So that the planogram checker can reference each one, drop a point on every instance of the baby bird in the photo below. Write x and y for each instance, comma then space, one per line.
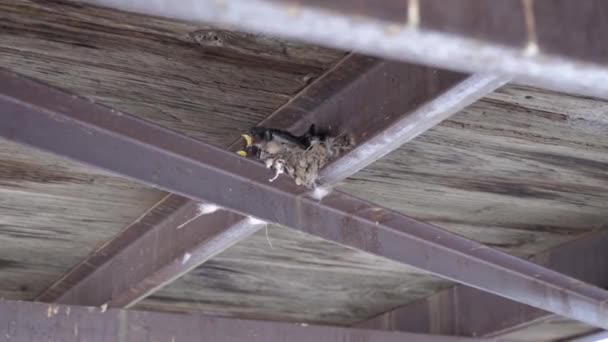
273, 140
300, 157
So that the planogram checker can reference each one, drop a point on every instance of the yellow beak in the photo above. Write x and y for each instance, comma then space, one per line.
242, 153
248, 139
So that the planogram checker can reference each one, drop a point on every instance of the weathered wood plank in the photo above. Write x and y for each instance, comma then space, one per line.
522, 179
557, 329
496, 172
584, 114
283, 274
127, 87
53, 212
210, 84
580, 133
538, 167
23, 321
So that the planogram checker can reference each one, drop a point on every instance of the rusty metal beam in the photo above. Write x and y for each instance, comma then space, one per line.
384, 104
48, 119
465, 311
556, 44
27, 321
169, 240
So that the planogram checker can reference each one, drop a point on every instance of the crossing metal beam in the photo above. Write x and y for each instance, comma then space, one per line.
382, 104
465, 311
26, 322
48, 119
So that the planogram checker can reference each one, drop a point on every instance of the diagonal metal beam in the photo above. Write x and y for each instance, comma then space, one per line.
45, 118
383, 104
554, 44
465, 311
169, 240
27, 321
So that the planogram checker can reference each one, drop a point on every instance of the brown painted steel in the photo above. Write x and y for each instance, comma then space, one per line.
555, 44
194, 237
366, 97
45, 118
465, 311
163, 244
34, 322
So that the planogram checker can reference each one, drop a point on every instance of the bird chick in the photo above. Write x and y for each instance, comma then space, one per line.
300, 157
275, 140
261, 141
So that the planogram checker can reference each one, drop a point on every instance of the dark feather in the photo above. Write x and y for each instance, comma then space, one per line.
301, 157
260, 134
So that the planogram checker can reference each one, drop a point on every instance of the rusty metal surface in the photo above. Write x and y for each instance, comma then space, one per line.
480, 36
178, 219
142, 226
382, 104
48, 119
166, 242
430, 97
34, 322
465, 311
373, 100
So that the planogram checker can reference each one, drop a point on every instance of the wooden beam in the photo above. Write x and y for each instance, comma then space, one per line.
48, 119
175, 236
26, 321
465, 311
537, 42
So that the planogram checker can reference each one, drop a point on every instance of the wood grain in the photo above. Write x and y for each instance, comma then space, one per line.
524, 170
207, 83
522, 177
53, 212
287, 275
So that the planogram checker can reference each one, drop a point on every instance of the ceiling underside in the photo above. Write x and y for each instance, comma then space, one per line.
523, 170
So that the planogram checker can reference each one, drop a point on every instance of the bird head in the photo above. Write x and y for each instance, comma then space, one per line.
254, 140
258, 135
251, 148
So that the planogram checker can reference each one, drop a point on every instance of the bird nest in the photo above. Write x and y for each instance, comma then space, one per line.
304, 165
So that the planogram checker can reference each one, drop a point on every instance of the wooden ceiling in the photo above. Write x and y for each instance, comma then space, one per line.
523, 170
